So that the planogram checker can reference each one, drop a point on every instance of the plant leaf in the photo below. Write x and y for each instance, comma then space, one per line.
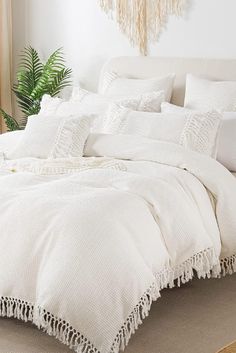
52, 69
34, 79
59, 81
11, 123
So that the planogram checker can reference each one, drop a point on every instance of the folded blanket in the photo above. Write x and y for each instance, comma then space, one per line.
88, 243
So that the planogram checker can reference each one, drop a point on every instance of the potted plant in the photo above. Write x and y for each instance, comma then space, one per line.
34, 79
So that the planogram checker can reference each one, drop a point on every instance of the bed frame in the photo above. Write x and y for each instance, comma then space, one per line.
144, 67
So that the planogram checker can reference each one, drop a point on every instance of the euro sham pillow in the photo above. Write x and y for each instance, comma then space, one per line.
113, 85
197, 131
202, 94
226, 146
52, 137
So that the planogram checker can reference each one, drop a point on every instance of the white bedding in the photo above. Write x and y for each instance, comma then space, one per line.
9, 140
88, 243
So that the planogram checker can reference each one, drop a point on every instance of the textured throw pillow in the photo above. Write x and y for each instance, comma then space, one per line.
196, 131
203, 94
226, 146
113, 85
52, 137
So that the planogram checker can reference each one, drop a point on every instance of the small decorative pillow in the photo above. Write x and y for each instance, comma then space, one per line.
226, 146
194, 131
52, 137
202, 94
113, 85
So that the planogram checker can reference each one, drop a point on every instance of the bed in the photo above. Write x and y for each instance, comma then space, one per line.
90, 243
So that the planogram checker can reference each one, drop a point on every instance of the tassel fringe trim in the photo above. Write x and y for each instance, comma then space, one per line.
228, 265
205, 264
53, 326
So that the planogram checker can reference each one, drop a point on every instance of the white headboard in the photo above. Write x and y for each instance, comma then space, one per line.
144, 67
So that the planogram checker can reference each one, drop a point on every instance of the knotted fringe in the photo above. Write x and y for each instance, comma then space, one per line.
53, 326
228, 265
205, 264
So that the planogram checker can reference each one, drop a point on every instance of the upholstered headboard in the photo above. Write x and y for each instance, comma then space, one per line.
144, 67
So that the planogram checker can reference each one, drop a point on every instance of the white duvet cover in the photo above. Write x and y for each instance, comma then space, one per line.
87, 244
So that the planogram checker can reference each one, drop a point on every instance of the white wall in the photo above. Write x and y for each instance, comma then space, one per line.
89, 38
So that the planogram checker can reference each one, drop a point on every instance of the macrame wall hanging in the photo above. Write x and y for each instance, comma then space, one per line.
142, 20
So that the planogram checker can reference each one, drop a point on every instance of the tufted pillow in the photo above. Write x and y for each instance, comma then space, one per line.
226, 146
196, 131
52, 137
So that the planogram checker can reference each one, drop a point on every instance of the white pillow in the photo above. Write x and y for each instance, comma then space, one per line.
203, 94
49, 105
85, 102
174, 109
226, 151
150, 101
226, 147
52, 137
9, 140
197, 131
113, 85
60, 107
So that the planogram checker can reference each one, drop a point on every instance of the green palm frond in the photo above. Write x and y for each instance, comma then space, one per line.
34, 79
51, 69
11, 123
60, 80
31, 62
23, 100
